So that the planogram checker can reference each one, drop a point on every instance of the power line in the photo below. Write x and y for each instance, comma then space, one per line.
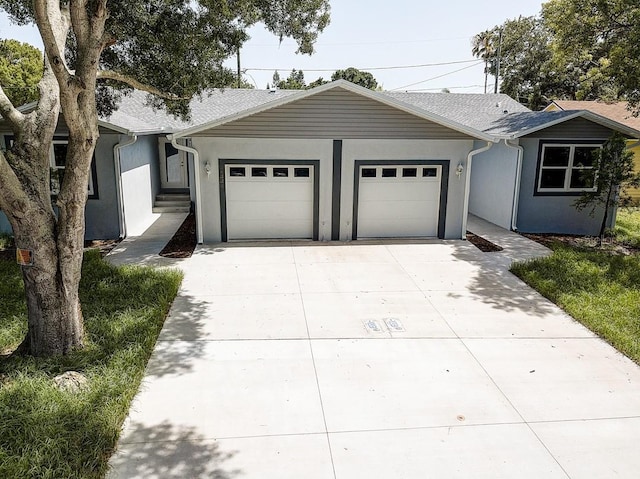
398, 67
449, 88
397, 42
436, 77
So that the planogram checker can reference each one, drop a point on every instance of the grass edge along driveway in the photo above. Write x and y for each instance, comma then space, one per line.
47, 433
599, 289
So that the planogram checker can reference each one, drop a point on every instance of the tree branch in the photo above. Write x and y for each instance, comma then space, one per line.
47, 12
9, 112
112, 75
99, 18
79, 19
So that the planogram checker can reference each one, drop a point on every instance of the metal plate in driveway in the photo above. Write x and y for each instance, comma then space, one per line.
374, 326
394, 325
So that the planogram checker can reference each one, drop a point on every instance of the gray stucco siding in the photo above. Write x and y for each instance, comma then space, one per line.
212, 150
101, 214
493, 175
336, 114
549, 213
140, 182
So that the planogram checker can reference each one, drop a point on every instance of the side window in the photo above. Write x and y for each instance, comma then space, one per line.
566, 168
58, 161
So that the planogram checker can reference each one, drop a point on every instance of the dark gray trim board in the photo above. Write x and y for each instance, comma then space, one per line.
222, 163
336, 188
444, 188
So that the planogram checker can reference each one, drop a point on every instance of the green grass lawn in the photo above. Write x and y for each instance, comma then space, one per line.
46, 433
598, 288
627, 228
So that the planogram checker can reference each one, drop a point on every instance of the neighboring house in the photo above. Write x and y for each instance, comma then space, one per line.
617, 111
341, 162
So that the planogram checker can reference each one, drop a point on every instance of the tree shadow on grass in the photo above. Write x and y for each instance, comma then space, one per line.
166, 451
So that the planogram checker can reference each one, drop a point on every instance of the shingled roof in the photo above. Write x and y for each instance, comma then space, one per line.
618, 111
486, 116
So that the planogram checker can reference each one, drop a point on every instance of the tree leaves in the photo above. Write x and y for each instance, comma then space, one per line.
20, 71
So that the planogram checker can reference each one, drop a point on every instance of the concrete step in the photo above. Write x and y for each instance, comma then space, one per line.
173, 197
172, 203
172, 209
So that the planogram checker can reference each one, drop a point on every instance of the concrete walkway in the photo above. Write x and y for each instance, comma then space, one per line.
144, 249
415, 359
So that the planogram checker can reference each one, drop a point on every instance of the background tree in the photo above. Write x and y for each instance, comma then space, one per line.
615, 172
356, 76
21, 68
295, 81
483, 46
601, 39
528, 70
172, 49
578, 50
318, 82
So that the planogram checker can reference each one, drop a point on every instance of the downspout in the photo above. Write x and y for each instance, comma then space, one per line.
516, 189
118, 167
196, 164
467, 186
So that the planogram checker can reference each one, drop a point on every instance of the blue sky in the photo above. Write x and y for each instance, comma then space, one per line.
375, 34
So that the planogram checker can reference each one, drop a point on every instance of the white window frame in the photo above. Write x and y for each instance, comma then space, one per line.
53, 166
567, 169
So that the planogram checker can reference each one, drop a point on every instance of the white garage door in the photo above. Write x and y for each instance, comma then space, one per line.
397, 201
269, 201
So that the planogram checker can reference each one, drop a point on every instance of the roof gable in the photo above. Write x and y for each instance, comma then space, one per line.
344, 85
336, 113
518, 125
616, 111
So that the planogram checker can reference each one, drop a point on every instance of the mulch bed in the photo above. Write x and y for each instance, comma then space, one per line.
104, 246
184, 240
584, 242
482, 244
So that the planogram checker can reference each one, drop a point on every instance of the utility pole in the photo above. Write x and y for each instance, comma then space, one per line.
495, 87
239, 71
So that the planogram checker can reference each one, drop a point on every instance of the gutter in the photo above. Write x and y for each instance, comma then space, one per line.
467, 187
516, 188
196, 163
118, 169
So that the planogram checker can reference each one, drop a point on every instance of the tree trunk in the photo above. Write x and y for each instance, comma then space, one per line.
55, 325
55, 237
51, 283
605, 217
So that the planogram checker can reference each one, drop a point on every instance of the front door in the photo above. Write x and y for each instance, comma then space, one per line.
174, 173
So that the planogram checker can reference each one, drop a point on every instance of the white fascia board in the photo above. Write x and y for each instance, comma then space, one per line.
346, 85
601, 120
111, 126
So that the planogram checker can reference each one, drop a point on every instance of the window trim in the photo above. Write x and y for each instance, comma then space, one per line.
566, 190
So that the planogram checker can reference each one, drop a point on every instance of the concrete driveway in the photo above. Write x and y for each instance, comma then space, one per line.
376, 360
